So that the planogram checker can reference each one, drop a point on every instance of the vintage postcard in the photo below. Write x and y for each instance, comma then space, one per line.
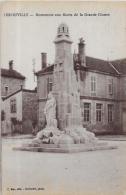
63, 98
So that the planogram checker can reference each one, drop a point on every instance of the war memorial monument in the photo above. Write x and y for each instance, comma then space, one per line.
64, 131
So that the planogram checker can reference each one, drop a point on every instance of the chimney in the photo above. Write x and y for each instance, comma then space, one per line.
43, 60
81, 51
11, 65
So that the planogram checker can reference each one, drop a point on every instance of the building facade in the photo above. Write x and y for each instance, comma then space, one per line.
102, 86
11, 80
20, 112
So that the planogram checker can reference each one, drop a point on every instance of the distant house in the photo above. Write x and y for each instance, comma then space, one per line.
11, 80
20, 112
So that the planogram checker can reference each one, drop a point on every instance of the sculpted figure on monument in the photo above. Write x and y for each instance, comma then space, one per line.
50, 132
50, 111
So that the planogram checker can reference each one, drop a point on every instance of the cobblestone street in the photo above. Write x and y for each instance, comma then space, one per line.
97, 172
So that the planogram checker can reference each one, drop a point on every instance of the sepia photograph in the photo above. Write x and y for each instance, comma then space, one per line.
63, 98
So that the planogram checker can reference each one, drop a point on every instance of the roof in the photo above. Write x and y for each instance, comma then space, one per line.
4, 98
45, 70
120, 65
11, 73
99, 65
19, 90
115, 67
29, 90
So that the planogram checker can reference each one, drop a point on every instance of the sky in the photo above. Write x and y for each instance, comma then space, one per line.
24, 38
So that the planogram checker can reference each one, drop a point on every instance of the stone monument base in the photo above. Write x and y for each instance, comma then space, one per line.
65, 148
72, 140
71, 135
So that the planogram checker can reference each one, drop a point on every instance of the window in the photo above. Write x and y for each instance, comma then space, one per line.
124, 86
13, 120
2, 115
13, 108
93, 85
21, 86
110, 87
98, 112
49, 84
6, 90
110, 113
87, 112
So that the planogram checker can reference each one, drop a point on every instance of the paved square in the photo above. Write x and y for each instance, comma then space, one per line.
97, 172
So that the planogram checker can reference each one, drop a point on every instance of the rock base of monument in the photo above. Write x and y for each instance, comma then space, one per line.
71, 135
65, 148
70, 141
